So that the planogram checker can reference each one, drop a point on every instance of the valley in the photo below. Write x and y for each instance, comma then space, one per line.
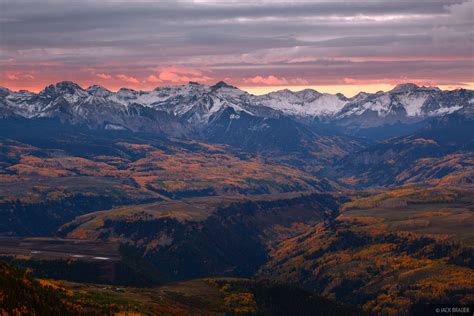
57, 248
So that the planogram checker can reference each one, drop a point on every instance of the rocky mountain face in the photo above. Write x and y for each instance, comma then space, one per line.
406, 103
444, 147
179, 109
96, 108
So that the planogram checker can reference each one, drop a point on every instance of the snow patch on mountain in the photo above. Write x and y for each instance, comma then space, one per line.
114, 127
303, 103
197, 104
445, 110
413, 103
380, 104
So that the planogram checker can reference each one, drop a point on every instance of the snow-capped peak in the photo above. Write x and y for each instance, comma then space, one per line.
197, 103
222, 84
307, 102
63, 87
411, 87
67, 90
404, 87
97, 90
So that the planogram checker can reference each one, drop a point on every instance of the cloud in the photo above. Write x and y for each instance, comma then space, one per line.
127, 78
19, 76
390, 81
12, 76
270, 80
299, 81
462, 12
181, 75
275, 81
152, 78
104, 76
257, 42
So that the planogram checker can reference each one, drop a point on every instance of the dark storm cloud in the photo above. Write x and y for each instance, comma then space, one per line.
239, 39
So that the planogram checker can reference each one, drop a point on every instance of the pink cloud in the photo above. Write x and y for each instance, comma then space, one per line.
12, 76
127, 78
170, 76
104, 76
389, 81
182, 75
270, 80
19, 76
152, 78
275, 81
182, 71
350, 80
299, 81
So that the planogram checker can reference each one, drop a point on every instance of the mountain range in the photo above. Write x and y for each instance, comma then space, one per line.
187, 109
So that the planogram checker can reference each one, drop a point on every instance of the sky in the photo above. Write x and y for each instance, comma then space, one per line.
260, 46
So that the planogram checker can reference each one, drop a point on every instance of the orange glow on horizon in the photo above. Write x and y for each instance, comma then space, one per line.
348, 90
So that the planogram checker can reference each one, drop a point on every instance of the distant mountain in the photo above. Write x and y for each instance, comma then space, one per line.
95, 107
305, 103
444, 147
179, 108
406, 103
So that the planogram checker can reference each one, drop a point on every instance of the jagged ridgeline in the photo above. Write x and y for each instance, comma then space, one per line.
183, 110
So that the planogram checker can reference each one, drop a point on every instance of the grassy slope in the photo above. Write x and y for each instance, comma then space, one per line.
387, 251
